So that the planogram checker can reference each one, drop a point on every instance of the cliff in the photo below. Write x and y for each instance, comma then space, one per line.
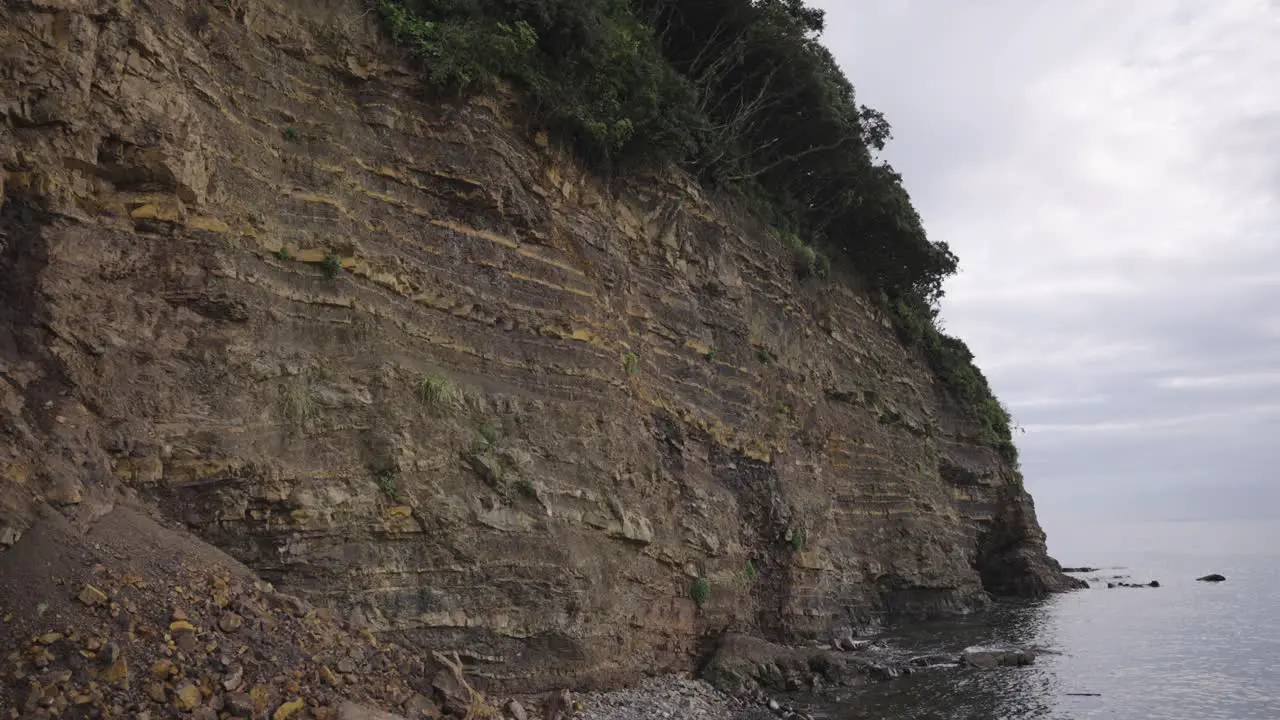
409, 363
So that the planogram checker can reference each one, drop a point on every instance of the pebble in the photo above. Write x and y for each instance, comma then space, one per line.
666, 697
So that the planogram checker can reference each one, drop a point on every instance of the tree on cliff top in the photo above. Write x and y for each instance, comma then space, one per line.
739, 92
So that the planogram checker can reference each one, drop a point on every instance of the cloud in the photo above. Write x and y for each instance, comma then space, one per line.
1107, 174
1262, 379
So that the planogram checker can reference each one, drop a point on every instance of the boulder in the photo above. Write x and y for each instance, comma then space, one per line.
997, 658
743, 665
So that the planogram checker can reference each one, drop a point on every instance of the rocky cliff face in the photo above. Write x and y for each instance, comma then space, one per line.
409, 362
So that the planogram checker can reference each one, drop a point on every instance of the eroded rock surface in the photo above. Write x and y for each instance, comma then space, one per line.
405, 359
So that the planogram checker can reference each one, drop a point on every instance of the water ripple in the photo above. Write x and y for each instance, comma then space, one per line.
1184, 651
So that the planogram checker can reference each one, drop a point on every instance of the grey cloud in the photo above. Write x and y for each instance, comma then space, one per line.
1108, 174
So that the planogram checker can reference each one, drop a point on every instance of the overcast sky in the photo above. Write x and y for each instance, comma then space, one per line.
1108, 173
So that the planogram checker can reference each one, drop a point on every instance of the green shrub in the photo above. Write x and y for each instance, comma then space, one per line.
701, 591
631, 363
290, 134
952, 363
438, 392
387, 481
331, 265
490, 431
751, 570
283, 254
798, 539
593, 71
738, 92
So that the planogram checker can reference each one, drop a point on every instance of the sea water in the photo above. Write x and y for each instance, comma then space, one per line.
1186, 650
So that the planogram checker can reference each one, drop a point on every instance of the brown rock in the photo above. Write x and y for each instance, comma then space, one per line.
289, 709
186, 642
117, 672
92, 596
186, 696
234, 679
161, 669
450, 693
230, 622
420, 706
240, 705
156, 691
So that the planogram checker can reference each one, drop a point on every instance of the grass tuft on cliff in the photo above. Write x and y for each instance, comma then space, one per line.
741, 94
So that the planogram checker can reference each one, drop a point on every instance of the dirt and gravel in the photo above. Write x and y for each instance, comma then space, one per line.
133, 619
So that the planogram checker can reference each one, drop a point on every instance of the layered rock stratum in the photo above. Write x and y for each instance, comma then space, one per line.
411, 364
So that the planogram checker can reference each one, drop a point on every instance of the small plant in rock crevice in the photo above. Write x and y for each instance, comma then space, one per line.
631, 363
490, 431
765, 355
701, 591
751, 570
798, 539
387, 481
290, 134
331, 266
283, 254
526, 489
437, 392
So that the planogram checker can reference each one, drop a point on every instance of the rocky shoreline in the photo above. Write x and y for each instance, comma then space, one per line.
751, 679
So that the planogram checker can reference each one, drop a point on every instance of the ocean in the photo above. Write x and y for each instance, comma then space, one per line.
1186, 650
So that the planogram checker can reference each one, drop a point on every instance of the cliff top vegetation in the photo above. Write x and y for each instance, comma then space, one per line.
740, 93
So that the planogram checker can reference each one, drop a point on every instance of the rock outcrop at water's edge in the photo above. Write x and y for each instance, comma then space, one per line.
407, 363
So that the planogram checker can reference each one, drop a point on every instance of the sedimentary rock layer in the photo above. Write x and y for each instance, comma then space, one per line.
403, 358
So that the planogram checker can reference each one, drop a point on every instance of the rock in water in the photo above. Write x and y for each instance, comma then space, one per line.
1215, 577
998, 658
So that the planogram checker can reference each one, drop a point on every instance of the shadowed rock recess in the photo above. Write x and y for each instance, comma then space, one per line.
408, 363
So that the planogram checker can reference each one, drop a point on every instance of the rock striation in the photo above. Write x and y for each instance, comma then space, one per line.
405, 360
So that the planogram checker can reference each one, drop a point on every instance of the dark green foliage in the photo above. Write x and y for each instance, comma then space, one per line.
490, 431
331, 265
593, 72
751, 570
739, 92
283, 254
701, 590
766, 356
798, 539
952, 362
387, 480
290, 134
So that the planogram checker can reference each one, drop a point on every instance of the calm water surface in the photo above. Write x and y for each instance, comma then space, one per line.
1184, 651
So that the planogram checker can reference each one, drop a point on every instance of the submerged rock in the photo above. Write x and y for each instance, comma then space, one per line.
934, 660
998, 658
1214, 578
